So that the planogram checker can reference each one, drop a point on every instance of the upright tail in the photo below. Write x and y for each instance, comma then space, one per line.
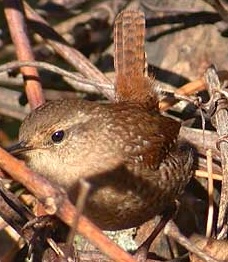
132, 83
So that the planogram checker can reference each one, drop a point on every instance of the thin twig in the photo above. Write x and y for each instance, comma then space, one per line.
14, 213
84, 188
210, 194
172, 231
216, 4
195, 137
85, 82
201, 173
71, 55
185, 90
189, 89
16, 22
168, 9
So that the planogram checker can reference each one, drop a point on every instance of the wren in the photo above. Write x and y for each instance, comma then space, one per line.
127, 151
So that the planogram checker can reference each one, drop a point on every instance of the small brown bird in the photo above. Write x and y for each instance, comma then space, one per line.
127, 151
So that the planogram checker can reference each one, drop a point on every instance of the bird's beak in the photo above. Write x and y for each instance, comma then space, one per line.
18, 149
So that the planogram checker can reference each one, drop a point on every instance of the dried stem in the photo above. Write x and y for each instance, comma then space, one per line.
201, 173
220, 120
82, 81
172, 231
216, 4
185, 90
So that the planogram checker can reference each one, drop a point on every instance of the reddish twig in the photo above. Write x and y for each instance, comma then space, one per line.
185, 90
56, 202
16, 22
189, 89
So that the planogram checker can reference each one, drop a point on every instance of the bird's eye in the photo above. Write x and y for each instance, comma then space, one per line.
58, 136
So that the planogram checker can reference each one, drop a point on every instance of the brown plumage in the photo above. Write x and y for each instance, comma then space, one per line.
127, 151
132, 83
